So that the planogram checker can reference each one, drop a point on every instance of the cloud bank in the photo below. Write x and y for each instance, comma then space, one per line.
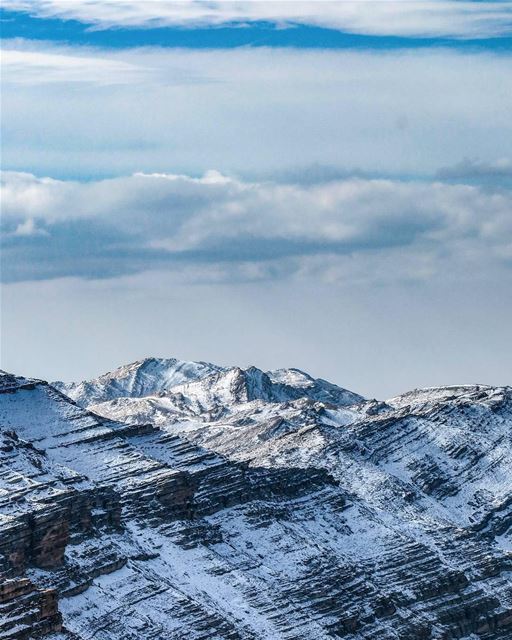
435, 18
224, 229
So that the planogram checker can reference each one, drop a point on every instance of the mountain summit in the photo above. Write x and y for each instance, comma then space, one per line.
150, 376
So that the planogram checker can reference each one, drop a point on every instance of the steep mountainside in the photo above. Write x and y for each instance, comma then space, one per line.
184, 500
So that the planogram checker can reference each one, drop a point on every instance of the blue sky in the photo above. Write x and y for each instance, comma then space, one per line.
322, 185
19, 24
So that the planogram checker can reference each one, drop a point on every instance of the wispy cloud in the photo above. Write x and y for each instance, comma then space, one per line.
81, 111
434, 18
46, 67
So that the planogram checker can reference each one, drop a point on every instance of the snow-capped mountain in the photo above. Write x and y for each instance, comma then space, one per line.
225, 386
151, 376
171, 500
224, 393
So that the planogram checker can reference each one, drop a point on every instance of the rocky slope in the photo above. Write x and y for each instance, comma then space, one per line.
171, 500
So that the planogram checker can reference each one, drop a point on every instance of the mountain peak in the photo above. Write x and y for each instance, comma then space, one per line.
145, 377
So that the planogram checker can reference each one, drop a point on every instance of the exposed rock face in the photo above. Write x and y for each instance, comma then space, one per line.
227, 503
26, 611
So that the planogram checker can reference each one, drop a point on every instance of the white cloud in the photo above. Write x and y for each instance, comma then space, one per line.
460, 19
29, 228
45, 67
220, 228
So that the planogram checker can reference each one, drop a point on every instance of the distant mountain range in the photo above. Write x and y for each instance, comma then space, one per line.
169, 500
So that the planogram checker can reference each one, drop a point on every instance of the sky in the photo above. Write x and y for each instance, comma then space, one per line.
323, 185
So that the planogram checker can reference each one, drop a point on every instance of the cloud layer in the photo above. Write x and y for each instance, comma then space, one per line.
224, 229
72, 111
434, 18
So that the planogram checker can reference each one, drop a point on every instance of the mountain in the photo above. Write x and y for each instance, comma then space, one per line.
158, 376
169, 500
151, 376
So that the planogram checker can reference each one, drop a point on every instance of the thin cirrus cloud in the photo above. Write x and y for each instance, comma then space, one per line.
26, 67
246, 230
83, 112
434, 18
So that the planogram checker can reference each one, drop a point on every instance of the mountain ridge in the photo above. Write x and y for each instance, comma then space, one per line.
254, 505
157, 376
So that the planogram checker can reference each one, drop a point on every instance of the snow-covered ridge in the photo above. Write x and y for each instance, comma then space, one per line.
10, 382
223, 390
150, 376
260, 506
208, 385
444, 393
